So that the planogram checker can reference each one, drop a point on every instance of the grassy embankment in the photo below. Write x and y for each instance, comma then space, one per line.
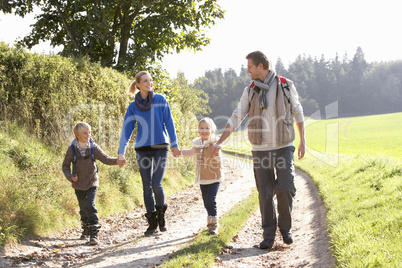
356, 163
42, 97
36, 199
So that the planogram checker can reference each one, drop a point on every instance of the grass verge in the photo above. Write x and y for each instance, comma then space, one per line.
203, 250
363, 197
356, 164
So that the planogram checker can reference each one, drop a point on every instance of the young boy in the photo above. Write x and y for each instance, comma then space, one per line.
84, 177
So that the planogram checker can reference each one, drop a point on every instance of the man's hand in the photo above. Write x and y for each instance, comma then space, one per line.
302, 145
215, 148
301, 150
75, 178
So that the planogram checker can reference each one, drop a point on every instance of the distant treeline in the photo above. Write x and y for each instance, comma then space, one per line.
355, 86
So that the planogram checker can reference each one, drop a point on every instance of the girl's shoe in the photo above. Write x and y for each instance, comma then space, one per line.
213, 225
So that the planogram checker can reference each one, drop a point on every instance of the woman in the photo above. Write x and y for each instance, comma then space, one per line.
154, 121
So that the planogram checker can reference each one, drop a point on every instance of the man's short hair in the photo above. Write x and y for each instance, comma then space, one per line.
258, 57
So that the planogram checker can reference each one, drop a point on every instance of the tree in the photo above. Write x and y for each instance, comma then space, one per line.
352, 94
280, 68
123, 33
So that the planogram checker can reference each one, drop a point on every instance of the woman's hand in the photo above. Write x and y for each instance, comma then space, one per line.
121, 160
176, 151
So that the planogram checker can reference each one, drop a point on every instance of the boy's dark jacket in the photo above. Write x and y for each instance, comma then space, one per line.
86, 168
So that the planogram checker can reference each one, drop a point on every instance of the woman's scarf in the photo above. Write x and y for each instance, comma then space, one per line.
263, 88
144, 104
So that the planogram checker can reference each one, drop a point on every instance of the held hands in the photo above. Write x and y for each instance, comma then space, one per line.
176, 151
215, 148
211, 151
121, 160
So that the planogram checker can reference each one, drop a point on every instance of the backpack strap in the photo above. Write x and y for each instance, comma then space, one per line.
75, 156
250, 93
285, 85
91, 146
73, 144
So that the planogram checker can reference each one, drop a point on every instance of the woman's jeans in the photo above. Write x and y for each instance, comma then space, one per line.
209, 193
86, 201
152, 166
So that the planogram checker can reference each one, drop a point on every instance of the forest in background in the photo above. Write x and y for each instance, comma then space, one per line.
357, 86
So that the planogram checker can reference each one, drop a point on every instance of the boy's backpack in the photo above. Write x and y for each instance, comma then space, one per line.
284, 84
75, 156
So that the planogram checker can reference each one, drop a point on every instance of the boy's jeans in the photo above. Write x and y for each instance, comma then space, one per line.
152, 166
209, 193
86, 201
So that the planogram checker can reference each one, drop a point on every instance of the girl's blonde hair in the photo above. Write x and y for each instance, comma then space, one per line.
209, 122
133, 88
79, 126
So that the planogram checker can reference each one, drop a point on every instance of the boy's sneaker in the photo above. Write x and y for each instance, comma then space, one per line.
84, 237
94, 241
267, 243
85, 232
94, 230
287, 237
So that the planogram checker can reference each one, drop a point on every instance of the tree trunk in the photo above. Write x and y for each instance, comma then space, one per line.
127, 22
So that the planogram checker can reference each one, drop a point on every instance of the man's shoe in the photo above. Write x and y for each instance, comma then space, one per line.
267, 243
287, 237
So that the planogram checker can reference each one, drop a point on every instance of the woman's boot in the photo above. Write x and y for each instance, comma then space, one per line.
213, 225
152, 221
94, 230
161, 217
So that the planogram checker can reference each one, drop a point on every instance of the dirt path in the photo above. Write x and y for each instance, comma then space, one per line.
311, 247
123, 243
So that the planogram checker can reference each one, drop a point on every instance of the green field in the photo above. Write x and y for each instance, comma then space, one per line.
356, 164
374, 136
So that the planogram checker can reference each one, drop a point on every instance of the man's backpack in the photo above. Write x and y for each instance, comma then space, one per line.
285, 85
75, 156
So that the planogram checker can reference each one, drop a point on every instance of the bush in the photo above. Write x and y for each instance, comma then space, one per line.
41, 99
49, 94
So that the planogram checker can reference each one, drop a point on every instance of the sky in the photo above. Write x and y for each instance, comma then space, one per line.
281, 29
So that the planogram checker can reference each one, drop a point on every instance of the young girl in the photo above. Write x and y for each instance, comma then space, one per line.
208, 169
84, 177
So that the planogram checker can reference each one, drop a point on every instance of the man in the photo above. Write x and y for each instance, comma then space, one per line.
271, 107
